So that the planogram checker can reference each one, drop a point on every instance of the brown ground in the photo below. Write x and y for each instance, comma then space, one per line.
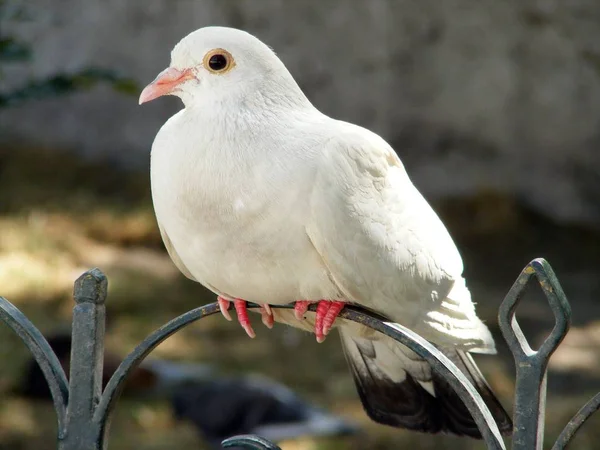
60, 216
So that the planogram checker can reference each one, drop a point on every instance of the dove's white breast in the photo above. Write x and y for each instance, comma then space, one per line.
234, 207
304, 207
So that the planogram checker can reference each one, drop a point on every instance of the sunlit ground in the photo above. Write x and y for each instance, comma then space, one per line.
60, 216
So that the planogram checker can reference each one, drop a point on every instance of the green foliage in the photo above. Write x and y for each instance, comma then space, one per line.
16, 52
12, 50
63, 84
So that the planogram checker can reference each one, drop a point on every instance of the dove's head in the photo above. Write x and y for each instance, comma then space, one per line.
219, 64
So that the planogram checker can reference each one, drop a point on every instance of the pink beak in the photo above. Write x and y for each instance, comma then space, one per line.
165, 83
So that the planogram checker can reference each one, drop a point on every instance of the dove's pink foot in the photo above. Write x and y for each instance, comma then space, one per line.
327, 312
300, 308
241, 310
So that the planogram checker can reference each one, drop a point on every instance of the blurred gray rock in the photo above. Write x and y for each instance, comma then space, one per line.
475, 95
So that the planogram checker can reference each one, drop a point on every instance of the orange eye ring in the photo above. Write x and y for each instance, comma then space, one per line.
218, 61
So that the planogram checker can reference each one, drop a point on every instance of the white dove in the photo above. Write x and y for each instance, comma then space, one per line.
260, 197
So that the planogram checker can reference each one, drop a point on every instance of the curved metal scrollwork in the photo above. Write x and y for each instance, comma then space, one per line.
249, 441
84, 411
576, 422
43, 354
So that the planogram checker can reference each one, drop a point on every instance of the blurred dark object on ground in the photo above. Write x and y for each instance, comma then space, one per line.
253, 405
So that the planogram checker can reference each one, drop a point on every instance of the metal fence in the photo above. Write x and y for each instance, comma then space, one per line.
84, 410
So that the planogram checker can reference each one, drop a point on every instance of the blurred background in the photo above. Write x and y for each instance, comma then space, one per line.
494, 108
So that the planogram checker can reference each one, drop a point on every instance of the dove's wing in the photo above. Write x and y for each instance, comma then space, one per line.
387, 250
173, 254
384, 245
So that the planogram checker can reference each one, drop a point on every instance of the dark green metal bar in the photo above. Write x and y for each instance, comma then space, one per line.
87, 358
530, 396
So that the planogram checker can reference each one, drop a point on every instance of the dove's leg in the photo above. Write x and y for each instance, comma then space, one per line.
242, 314
327, 312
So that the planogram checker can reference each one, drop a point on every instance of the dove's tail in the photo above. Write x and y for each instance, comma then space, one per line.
400, 389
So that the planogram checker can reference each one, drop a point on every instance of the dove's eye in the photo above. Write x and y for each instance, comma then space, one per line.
218, 61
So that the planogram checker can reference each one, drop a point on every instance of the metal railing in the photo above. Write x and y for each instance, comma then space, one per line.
84, 410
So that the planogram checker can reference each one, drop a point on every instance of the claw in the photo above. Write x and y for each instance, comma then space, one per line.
300, 308
241, 310
224, 306
267, 316
334, 309
242, 315
327, 312
322, 309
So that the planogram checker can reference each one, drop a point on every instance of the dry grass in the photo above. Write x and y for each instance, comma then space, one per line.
60, 216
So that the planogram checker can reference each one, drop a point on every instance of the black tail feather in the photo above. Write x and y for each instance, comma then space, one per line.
406, 403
